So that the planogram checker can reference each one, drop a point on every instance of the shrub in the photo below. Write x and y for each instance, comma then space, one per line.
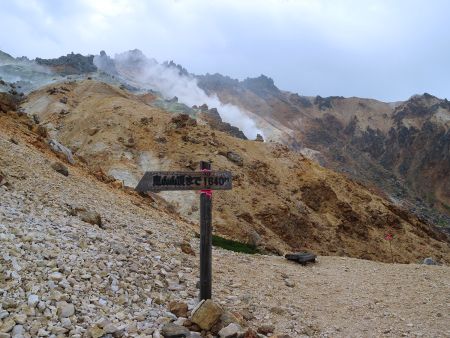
231, 245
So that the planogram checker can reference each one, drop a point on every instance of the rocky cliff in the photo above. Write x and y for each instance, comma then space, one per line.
400, 149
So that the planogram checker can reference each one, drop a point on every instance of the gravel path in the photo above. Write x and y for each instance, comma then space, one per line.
339, 297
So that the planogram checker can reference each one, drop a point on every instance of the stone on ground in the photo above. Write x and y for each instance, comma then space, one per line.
60, 168
230, 331
207, 314
179, 309
171, 330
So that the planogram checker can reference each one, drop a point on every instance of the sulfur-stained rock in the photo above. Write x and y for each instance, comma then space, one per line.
207, 314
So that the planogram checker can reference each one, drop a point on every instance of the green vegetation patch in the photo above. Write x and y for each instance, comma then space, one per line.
231, 245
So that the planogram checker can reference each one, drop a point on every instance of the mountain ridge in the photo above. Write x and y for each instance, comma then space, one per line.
356, 136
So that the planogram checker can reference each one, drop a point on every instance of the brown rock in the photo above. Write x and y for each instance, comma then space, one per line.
259, 138
146, 120
41, 131
88, 216
250, 333
266, 329
187, 249
194, 327
91, 217
183, 120
171, 330
92, 131
207, 314
179, 309
95, 332
228, 317
60, 168
235, 158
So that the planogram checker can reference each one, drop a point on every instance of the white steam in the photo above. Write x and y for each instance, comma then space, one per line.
170, 81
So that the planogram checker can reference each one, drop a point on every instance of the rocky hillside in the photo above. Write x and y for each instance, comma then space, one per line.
401, 149
83, 256
281, 200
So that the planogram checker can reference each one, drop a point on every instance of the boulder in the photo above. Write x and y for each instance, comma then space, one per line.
183, 120
65, 309
7, 103
228, 318
230, 331
95, 332
88, 216
91, 217
59, 148
60, 168
259, 138
40, 130
187, 249
266, 329
7, 325
179, 309
2, 178
235, 158
301, 257
206, 314
429, 261
171, 330
250, 333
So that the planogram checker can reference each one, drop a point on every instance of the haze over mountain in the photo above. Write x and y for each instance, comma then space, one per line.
381, 49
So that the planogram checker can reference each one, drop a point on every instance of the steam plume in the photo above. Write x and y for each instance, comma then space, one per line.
171, 81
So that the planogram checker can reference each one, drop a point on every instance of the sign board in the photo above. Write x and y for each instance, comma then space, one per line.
205, 180
185, 180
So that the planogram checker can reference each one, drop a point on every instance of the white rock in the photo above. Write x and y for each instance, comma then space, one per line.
65, 309
33, 300
18, 331
57, 276
229, 331
66, 323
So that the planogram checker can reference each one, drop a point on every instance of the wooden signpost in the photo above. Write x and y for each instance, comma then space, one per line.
205, 181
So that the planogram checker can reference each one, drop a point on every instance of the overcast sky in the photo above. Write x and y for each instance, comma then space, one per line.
383, 49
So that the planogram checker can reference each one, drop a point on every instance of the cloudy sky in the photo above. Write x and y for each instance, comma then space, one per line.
383, 49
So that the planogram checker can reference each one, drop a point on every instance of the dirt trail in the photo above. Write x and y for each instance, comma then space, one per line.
339, 297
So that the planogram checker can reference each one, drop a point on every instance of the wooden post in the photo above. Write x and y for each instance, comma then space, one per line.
205, 239
206, 181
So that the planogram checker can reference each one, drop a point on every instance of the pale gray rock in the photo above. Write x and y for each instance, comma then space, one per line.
33, 300
59, 148
230, 331
65, 309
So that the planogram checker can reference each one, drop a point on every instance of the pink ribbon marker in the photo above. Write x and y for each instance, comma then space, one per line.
207, 192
